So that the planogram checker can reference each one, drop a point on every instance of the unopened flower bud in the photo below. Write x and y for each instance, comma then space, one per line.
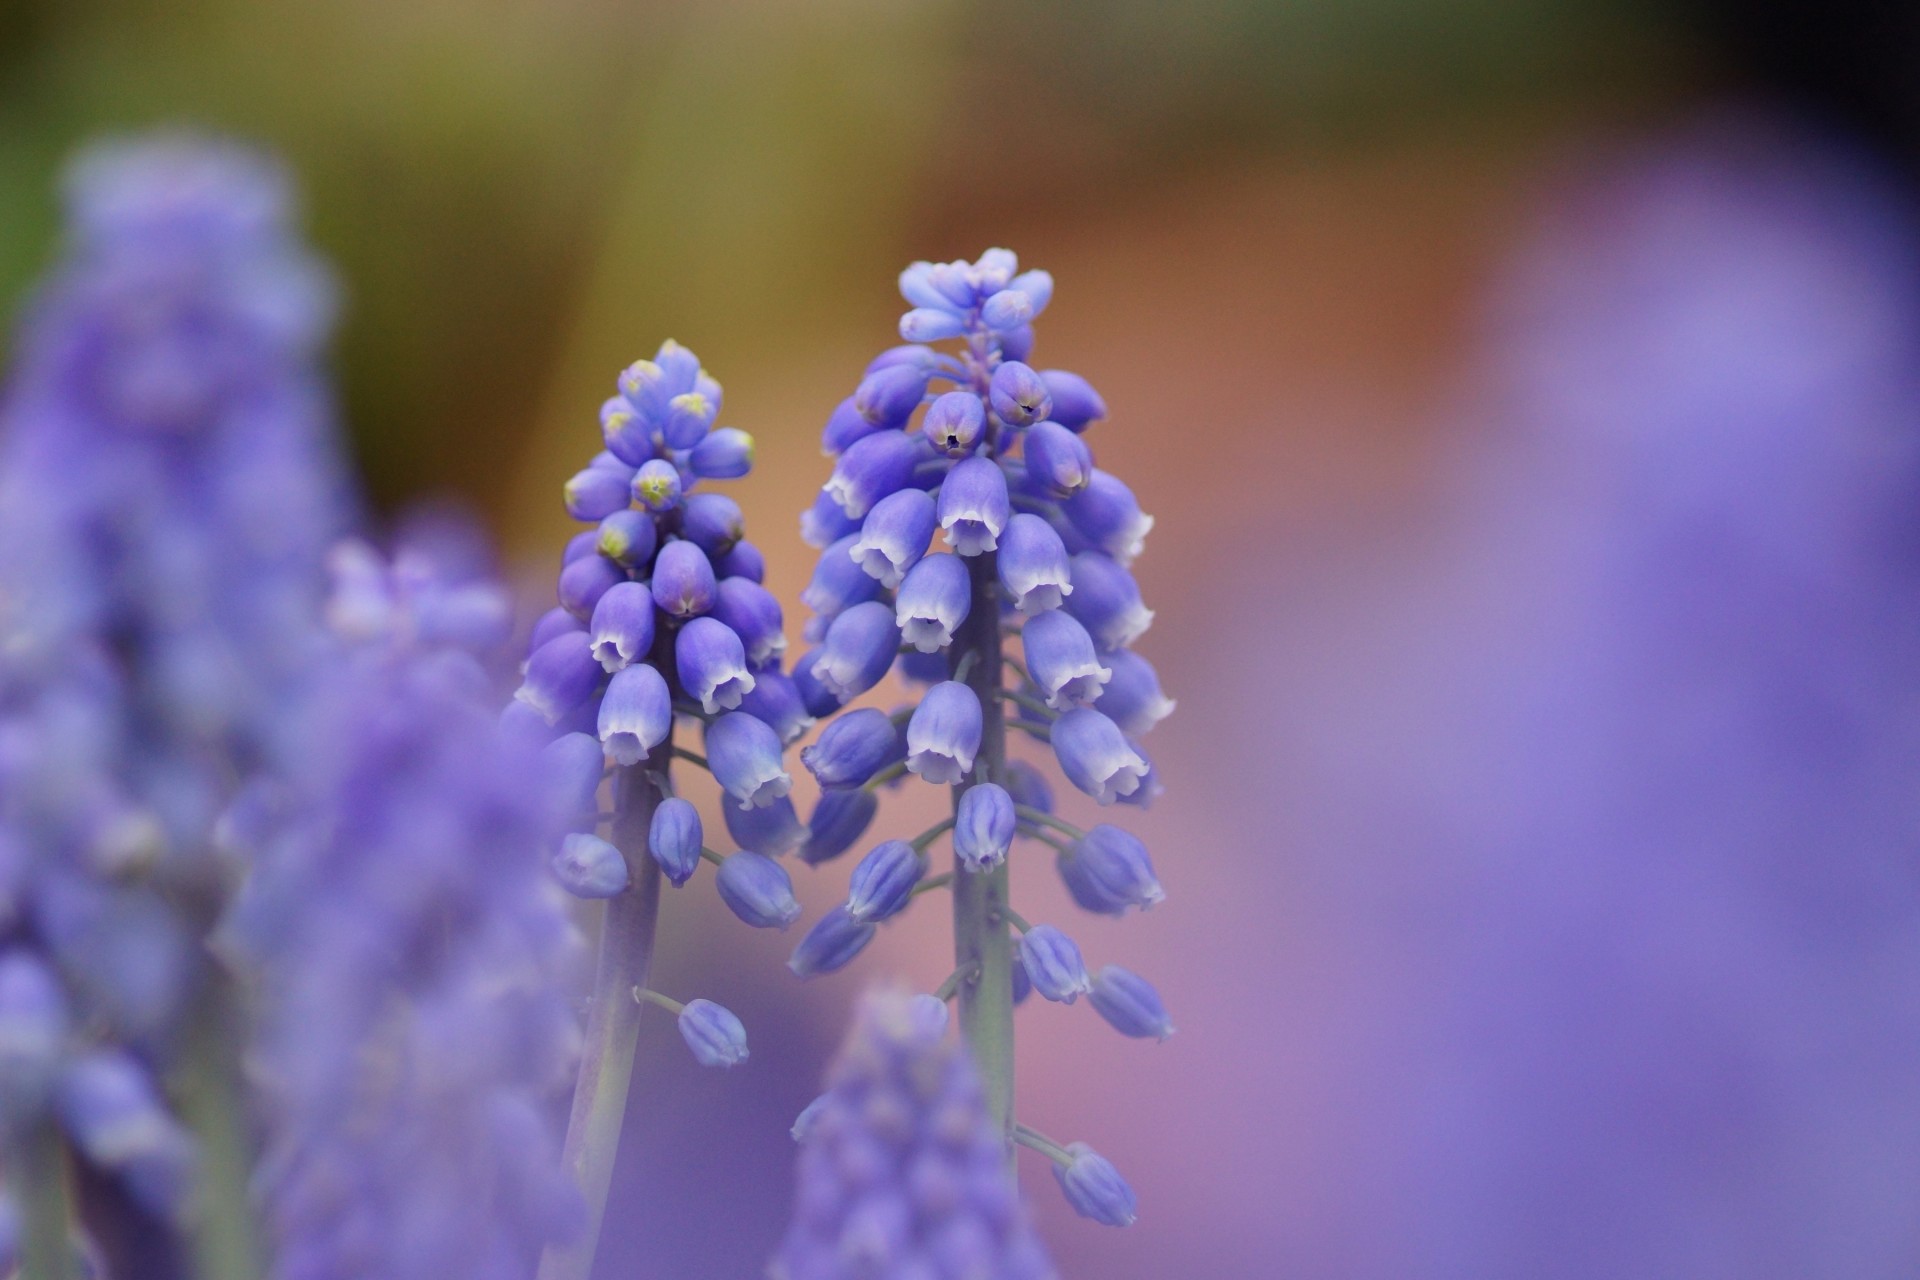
1058, 461
1053, 964
983, 826
726, 454
657, 486
859, 647
1075, 402
883, 882
675, 838
561, 675
887, 397
683, 581
717, 1038
954, 423
1095, 1188
835, 939
837, 822
1130, 1004
853, 748
872, 468
757, 889
1018, 395
628, 538
589, 867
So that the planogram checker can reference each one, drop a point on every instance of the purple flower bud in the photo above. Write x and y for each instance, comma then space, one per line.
636, 713
745, 757
944, 734
598, 492
835, 939
1053, 964
657, 485
983, 825
1075, 402
712, 664
726, 454
1018, 396
1106, 515
853, 748
1061, 660
1132, 698
580, 544
628, 538
628, 436
571, 766
1016, 344
675, 838
824, 523
1007, 309
561, 675
932, 602
33, 1033
1022, 985
993, 271
1096, 756
1106, 600
887, 397
689, 417
838, 820
1038, 286
838, 581
645, 386
1108, 871
974, 507
109, 1105
555, 621
859, 647
921, 668
929, 324
683, 582
1033, 565
584, 580
716, 1037
844, 426
872, 468
912, 353
622, 628
1130, 1004
819, 700
775, 699
933, 285
757, 889
682, 369
954, 423
884, 881
894, 536
743, 561
771, 829
1058, 461
1095, 1188
929, 1016
589, 867
713, 522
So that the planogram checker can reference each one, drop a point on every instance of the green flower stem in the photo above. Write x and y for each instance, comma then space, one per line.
208, 1090
40, 1181
982, 947
613, 1022
1040, 1142
1045, 819
932, 833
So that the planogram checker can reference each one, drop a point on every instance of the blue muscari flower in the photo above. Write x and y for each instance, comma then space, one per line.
837, 822
1106, 600
743, 561
109, 1105
757, 889
636, 714
872, 468
588, 867
586, 578
622, 628
835, 939
1017, 395
853, 748
744, 754
712, 664
944, 733
917, 1188
933, 601
1033, 565
844, 426
713, 522
838, 582
598, 492
771, 829
858, 649
1075, 403
894, 536
683, 581
1053, 964
657, 485
824, 522
1130, 1004
1095, 1188
1058, 461
726, 454
775, 699
1096, 756
817, 698
983, 826
1107, 516
713, 1033
753, 614
954, 423
399, 881
883, 882
888, 396
1132, 698
675, 838
974, 507
1108, 870
555, 621
571, 766
1061, 660
628, 538
689, 418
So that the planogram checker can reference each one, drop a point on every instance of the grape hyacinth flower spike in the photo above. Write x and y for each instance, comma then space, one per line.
663, 624
1018, 625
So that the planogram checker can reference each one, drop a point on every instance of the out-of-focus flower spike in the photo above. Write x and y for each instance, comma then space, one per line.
1038, 286
636, 714
757, 890
744, 754
928, 324
1130, 1004
1053, 964
1096, 756
34, 1021
571, 766
1007, 309
1029, 788
588, 867
1033, 565
109, 1105
622, 627
675, 838
944, 734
